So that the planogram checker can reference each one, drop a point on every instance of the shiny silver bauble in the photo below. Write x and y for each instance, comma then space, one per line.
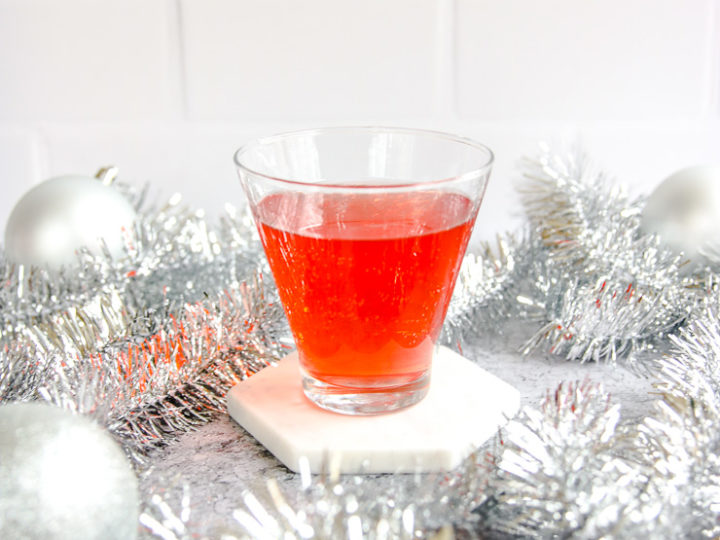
57, 217
62, 477
684, 211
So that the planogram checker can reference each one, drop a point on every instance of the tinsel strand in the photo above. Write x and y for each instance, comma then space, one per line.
127, 342
609, 291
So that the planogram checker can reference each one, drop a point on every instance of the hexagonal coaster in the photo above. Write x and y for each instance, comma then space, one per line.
463, 408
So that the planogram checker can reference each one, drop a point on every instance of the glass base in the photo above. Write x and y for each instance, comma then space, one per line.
364, 401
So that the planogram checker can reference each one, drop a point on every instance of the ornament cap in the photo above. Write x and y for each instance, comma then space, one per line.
107, 175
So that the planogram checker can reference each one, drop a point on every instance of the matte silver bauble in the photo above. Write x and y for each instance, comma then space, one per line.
684, 210
62, 477
57, 217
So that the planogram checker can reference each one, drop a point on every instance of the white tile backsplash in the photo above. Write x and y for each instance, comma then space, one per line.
86, 60
564, 61
19, 168
313, 60
168, 89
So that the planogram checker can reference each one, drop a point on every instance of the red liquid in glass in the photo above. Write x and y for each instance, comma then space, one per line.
365, 280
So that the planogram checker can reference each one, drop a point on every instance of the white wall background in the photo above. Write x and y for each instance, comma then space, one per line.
168, 89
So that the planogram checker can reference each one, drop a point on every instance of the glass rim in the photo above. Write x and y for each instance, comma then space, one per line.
440, 135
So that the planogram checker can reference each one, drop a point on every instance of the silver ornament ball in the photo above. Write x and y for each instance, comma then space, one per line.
62, 477
684, 211
57, 217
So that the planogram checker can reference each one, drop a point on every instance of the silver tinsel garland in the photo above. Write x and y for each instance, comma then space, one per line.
148, 346
330, 506
608, 290
490, 290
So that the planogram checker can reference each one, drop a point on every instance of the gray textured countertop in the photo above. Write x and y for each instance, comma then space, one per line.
218, 461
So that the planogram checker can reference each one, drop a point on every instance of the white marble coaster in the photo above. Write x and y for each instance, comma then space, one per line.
463, 408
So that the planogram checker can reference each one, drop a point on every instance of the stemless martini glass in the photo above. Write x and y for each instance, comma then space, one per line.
364, 229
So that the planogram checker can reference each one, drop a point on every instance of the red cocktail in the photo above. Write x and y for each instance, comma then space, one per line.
366, 284
365, 271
